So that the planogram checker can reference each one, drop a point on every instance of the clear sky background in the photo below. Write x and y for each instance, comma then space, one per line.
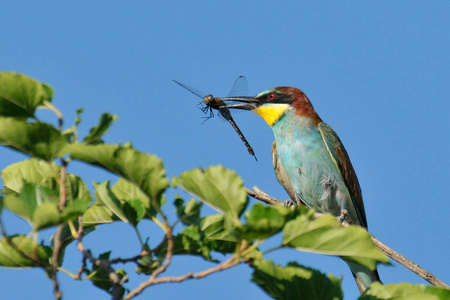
377, 72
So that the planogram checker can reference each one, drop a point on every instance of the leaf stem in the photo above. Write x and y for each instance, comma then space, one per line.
139, 236
73, 230
73, 276
158, 222
273, 249
57, 112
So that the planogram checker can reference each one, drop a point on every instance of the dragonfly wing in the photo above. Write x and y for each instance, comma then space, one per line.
240, 87
191, 89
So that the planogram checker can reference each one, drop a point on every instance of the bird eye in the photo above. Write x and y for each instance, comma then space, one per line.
271, 96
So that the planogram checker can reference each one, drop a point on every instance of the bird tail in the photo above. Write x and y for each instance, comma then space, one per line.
363, 276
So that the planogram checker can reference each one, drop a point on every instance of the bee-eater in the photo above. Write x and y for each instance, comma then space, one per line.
310, 161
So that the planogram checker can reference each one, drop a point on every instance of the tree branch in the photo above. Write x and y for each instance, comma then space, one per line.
57, 245
262, 196
143, 253
168, 231
104, 264
409, 264
231, 262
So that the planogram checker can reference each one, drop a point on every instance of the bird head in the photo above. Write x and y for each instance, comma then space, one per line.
273, 103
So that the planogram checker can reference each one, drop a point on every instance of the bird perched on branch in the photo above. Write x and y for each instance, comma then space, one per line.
310, 161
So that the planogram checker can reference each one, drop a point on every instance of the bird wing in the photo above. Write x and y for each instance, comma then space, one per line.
340, 157
281, 174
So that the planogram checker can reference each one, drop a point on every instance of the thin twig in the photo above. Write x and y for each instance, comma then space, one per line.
260, 195
57, 244
409, 264
62, 186
104, 264
81, 269
231, 262
127, 260
55, 262
162, 268
141, 255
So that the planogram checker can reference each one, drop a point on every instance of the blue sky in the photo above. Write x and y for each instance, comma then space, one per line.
377, 72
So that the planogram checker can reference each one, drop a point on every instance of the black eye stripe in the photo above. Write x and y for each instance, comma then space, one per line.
275, 97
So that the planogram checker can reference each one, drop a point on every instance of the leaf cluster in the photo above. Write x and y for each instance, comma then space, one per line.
41, 191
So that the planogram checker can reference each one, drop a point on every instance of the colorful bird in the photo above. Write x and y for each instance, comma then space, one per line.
310, 161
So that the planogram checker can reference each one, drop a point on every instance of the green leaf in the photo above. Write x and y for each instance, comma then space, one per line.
42, 173
78, 117
98, 213
144, 170
217, 238
49, 92
39, 206
104, 195
404, 291
327, 236
96, 133
101, 277
76, 189
134, 210
31, 171
21, 207
127, 191
71, 134
264, 221
149, 263
75, 209
46, 215
191, 241
295, 282
10, 257
218, 187
20, 95
189, 214
27, 201
214, 228
130, 211
35, 139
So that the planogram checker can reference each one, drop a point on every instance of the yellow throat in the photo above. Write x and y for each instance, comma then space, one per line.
271, 112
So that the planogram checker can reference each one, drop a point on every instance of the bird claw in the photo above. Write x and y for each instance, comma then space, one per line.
344, 216
288, 203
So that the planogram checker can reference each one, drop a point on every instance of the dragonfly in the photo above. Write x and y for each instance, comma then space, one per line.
214, 103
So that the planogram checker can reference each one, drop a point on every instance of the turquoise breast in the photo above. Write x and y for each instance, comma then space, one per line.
314, 176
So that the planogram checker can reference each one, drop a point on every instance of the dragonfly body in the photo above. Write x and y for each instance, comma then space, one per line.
216, 103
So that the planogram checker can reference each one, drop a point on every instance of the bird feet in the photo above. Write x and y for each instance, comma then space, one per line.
288, 203
344, 217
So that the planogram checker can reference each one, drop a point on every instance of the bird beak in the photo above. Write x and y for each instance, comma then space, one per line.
249, 103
